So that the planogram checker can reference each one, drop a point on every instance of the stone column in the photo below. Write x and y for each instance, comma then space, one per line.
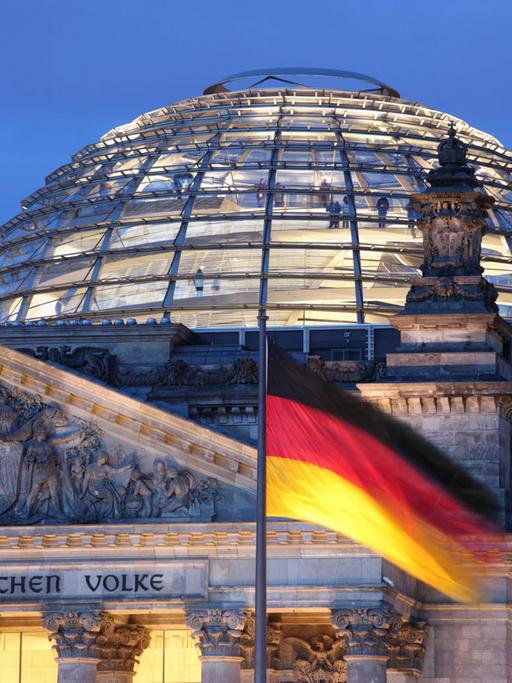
367, 632
219, 632
407, 652
119, 645
75, 633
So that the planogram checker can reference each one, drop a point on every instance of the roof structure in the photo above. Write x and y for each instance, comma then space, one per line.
172, 214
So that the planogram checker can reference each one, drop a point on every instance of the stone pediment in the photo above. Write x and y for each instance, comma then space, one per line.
73, 450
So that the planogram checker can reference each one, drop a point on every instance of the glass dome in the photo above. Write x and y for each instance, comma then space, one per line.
172, 213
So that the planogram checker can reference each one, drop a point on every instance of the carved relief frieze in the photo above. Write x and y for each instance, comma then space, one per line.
55, 468
90, 360
346, 370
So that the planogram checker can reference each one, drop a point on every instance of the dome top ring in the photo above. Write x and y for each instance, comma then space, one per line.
277, 73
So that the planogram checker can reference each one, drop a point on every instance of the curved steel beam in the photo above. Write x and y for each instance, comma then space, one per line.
301, 71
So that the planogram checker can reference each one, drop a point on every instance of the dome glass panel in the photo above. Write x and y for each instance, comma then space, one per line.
170, 214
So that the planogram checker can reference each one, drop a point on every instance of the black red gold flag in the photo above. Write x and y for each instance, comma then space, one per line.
336, 460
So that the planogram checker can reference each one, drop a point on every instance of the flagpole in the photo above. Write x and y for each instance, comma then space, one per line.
260, 653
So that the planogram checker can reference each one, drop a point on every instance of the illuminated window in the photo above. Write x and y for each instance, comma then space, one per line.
27, 657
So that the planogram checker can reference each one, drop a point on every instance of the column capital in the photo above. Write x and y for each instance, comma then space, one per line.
119, 644
367, 630
218, 630
407, 647
74, 632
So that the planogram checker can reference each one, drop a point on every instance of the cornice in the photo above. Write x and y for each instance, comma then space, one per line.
19, 542
441, 398
211, 539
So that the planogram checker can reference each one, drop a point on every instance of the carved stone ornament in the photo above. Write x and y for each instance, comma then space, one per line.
247, 643
242, 371
119, 645
218, 631
367, 631
75, 633
453, 217
345, 370
319, 659
407, 647
89, 360
55, 469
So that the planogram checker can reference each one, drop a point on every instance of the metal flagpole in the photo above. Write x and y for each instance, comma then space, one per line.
260, 653
260, 645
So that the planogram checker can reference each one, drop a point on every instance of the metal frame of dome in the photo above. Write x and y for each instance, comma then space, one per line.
277, 73
124, 228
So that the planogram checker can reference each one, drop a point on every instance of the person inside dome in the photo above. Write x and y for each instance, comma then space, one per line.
347, 213
261, 192
325, 189
382, 210
334, 209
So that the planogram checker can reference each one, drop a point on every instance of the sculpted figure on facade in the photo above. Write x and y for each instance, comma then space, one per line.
104, 486
89, 360
319, 659
55, 468
32, 446
41, 468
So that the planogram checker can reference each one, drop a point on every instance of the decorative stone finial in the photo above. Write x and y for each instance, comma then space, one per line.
452, 218
453, 172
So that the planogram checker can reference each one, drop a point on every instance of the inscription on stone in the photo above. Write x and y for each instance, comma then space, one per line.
170, 580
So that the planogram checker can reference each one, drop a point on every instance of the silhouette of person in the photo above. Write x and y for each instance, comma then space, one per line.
334, 210
382, 210
325, 192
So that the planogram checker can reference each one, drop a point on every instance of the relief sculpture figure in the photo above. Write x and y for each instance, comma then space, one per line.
42, 476
54, 468
104, 487
170, 490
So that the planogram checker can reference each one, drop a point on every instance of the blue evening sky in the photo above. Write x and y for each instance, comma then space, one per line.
72, 69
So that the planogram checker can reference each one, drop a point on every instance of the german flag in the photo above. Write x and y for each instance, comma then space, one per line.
335, 460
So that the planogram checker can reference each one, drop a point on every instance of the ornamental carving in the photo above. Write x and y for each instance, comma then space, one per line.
345, 370
446, 289
318, 660
178, 373
247, 643
74, 633
407, 647
452, 225
119, 645
89, 360
218, 631
242, 371
367, 631
56, 469
452, 218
